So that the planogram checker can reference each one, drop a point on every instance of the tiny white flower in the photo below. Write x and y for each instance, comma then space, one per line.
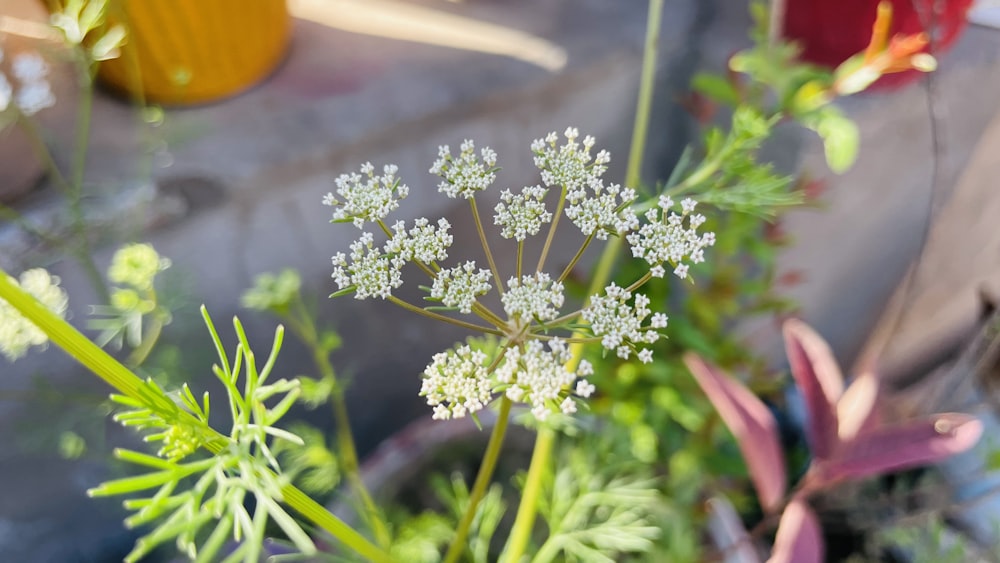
645, 355
423, 242
681, 271
666, 239
584, 388
522, 215
366, 197
369, 271
568, 406
570, 166
533, 297
619, 324
465, 175
459, 287
456, 383
538, 376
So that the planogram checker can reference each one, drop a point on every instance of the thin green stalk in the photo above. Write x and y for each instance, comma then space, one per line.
633, 174
520, 258
486, 245
552, 230
576, 258
443, 318
127, 383
524, 522
639, 282
347, 451
483, 478
141, 352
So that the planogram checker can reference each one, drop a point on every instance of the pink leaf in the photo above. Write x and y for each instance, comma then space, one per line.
751, 423
904, 446
799, 539
819, 379
729, 534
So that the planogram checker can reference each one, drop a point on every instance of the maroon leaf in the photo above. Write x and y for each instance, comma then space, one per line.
751, 423
819, 379
904, 446
799, 538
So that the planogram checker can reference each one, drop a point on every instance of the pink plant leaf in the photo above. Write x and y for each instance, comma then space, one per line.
819, 380
751, 423
856, 410
799, 538
910, 444
729, 534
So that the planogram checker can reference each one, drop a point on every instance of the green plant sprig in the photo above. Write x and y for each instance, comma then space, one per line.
131, 386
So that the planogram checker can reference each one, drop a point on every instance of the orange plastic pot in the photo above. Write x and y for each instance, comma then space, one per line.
195, 51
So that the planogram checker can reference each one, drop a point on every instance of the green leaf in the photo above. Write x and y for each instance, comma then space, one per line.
841, 138
716, 88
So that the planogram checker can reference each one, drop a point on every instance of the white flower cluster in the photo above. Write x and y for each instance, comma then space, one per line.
621, 325
33, 93
522, 215
569, 166
607, 210
667, 239
456, 383
370, 270
536, 376
18, 334
375, 272
423, 242
533, 297
368, 197
459, 286
466, 175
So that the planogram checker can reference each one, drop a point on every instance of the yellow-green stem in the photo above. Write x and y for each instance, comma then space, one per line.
576, 258
526, 511
141, 352
552, 230
442, 318
483, 478
520, 258
486, 245
127, 383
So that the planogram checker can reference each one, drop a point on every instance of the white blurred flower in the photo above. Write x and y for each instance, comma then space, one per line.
18, 334
136, 265
6, 92
34, 97
29, 67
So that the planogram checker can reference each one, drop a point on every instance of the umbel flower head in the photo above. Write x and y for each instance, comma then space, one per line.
534, 364
18, 334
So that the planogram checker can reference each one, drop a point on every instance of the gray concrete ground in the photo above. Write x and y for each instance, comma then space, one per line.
235, 189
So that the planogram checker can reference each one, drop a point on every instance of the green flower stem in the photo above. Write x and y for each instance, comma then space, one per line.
524, 522
520, 258
443, 318
633, 174
552, 230
347, 451
486, 245
483, 478
485, 313
127, 383
639, 282
576, 258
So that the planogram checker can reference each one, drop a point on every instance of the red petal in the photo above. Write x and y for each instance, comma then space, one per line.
819, 380
901, 447
799, 538
751, 423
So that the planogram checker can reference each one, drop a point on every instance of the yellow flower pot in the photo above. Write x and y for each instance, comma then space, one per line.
194, 51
